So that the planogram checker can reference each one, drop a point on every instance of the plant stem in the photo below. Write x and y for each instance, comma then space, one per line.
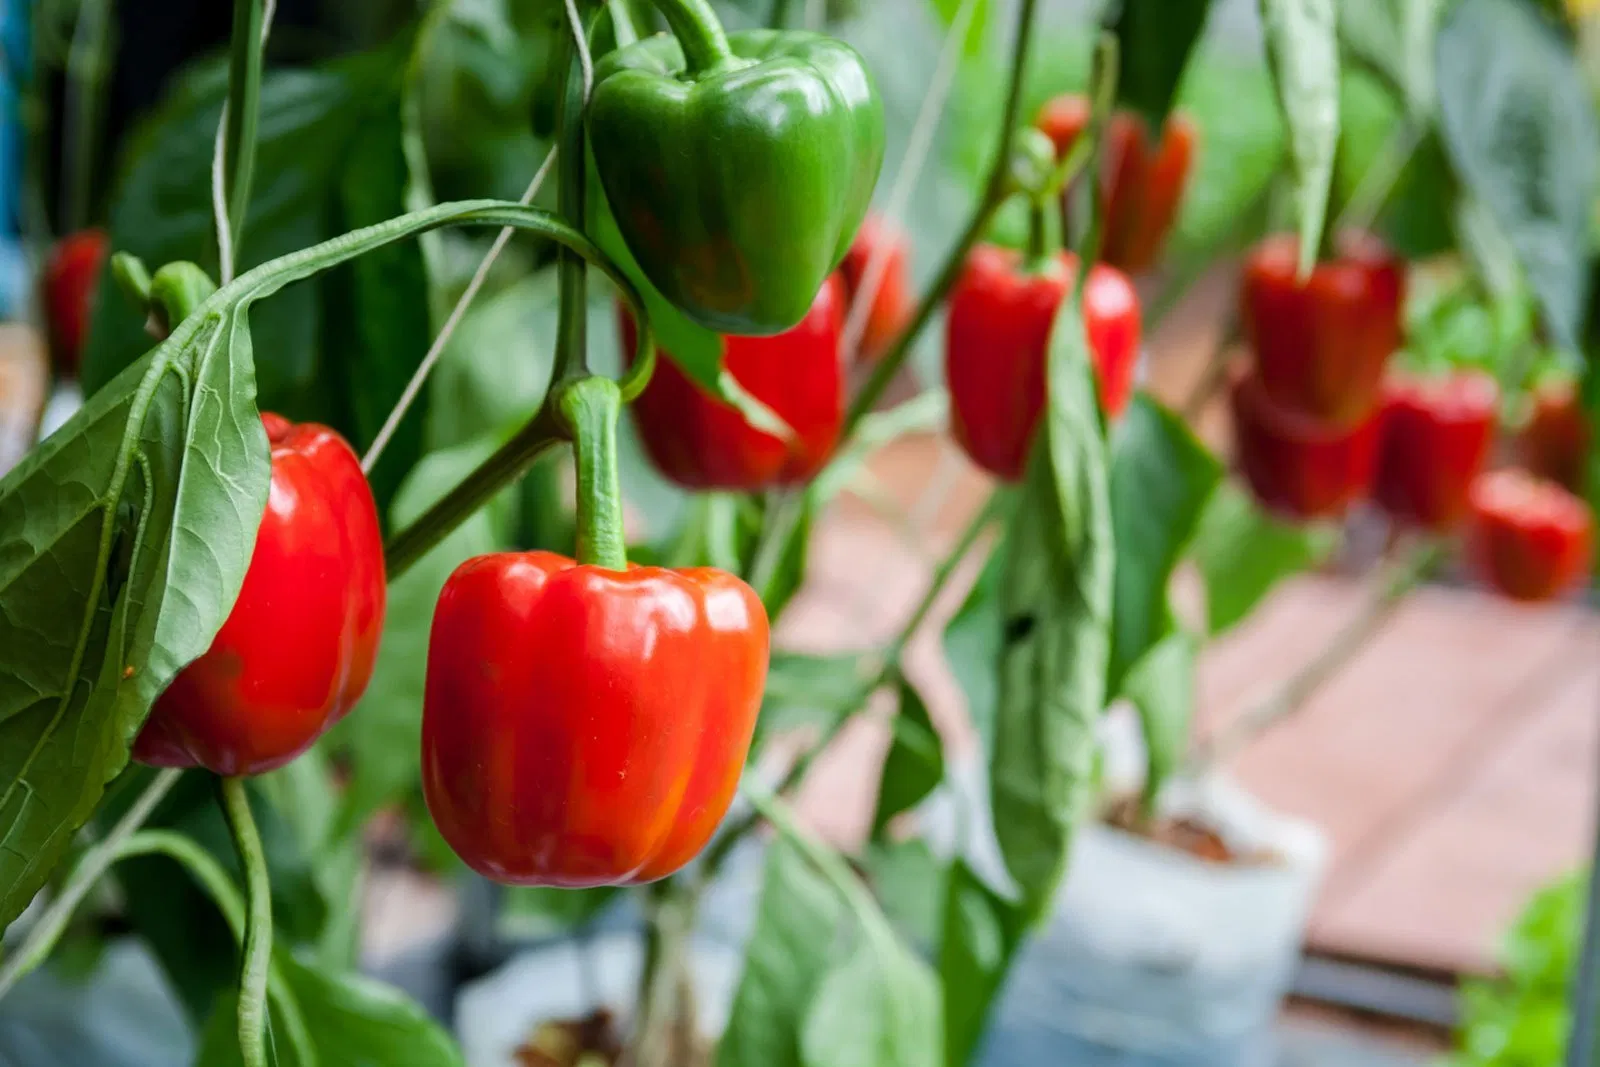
244, 111
661, 1006
41, 937
1389, 590
1215, 373
589, 410
778, 16
572, 358
506, 465
85, 73
699, 31
995, 191
257, 954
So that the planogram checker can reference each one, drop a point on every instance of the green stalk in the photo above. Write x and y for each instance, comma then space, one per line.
699, 31
589, 410
995, 192
572, 358
257, 954
244, 112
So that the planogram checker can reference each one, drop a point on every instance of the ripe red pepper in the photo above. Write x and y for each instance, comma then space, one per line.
701, 443
587, 726
1554, 443
298, 648
69, 286
1528, 538
1297, 466
1143, 185
892, 305
1433, 440
996, 336
1320, 348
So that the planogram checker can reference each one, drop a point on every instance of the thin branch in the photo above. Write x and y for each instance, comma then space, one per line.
257, 962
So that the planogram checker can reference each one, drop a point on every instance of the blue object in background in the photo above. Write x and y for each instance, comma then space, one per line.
15, 63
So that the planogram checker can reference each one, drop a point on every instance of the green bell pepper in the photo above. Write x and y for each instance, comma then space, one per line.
737, 166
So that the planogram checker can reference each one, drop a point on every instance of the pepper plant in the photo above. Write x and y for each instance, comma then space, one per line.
218, 624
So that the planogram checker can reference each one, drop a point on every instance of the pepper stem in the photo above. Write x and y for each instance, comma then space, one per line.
589, 408
1040, 245
699, 32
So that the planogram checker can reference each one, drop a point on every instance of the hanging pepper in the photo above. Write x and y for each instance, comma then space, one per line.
701, 443
1554, 442
1433, 440
996, 336
1528, 538
298, 648
1321, 346
738, 166
70, 279
892, 305
1297, 466
585, 723
1143, 184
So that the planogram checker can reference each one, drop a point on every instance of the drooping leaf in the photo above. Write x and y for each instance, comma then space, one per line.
1161, 688
914, 766
879, 1008
1155, 39
1055, 603
790, 950
1161, 478
909, 882
1303, 54
1243, 552
811, 690
981, 933
972, 647
124, 539
1519, 122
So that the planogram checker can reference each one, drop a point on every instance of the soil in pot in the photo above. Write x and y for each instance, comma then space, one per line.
596, 1041
1185, 833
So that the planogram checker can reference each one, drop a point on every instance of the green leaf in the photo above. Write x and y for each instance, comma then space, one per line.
337, 351
981, 933
972, 648
914, 766
1519, 123
1161, 478
1303, 54
353, 1021
1161, 689
1055, 603
811, 690
879, 1008
124, 539
789, 952
909, 882
1154, 41
1243, 552
384, 733
1394, 40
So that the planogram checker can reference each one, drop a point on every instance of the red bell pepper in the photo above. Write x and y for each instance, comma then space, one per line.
1554, 443
701, 443
1296, 466
1321, 347
70, 277
1528, 538
585, 726
892, 305
996, 336
298, 648
1143, 186
1433, 440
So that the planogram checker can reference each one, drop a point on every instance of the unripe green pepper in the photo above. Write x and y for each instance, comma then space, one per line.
739, 166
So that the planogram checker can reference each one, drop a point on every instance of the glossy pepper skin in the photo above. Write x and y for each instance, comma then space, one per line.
1554, 443
584, 726
1528, 538
701, 443
1321, 347
1296, 466
738, 189
1143, 183
70, 279
298, 648
996, 337
1433, 440
892, 305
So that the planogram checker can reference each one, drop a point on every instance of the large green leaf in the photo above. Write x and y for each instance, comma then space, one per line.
352, 1020
1155, 38
1161, 478
1303, 54
1519, 123
811, 690
879, 1008
981, 933
339, 350
972, 647
1243, 552
1161, 688
124, 539
1055, 604
914, 766
789, 953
